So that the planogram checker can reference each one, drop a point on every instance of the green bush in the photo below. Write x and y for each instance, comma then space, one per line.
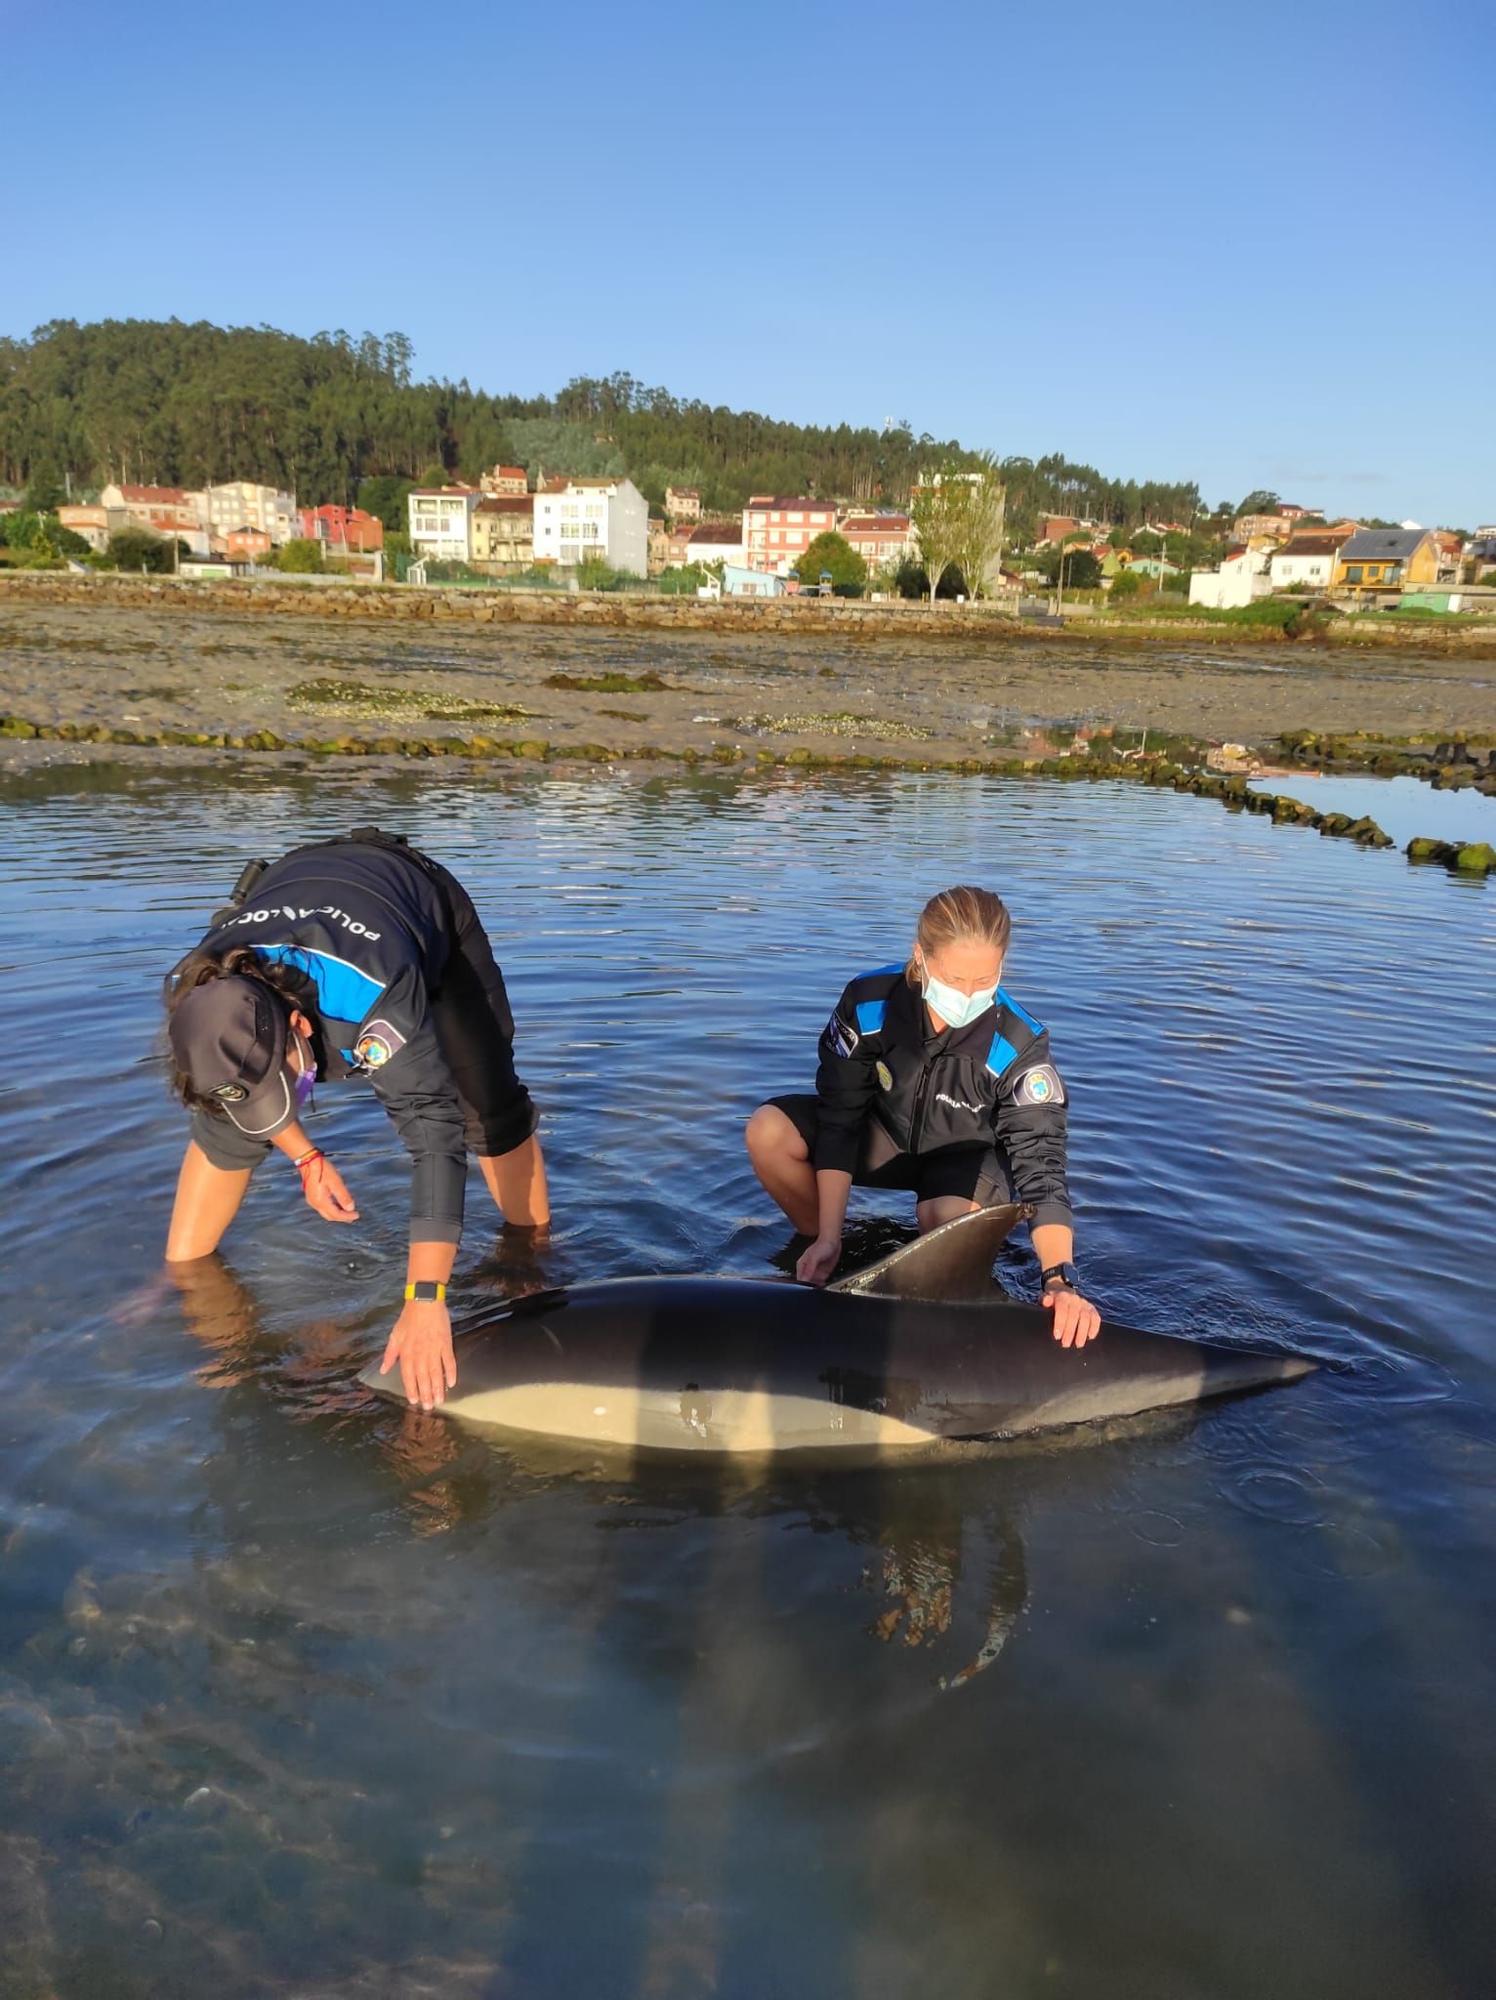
298, 558
138, 548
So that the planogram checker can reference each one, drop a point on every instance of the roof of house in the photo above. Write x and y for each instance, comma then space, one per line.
1318, 542
876, 524
505, 503
1384, 544
728, 533
440, 492
777, 503
507, 472
686, 492
163, 495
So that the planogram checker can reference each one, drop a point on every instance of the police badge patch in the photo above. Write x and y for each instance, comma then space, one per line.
377, 1044
842, 1038
1039, 1085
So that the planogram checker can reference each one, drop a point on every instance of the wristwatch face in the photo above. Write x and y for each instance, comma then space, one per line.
1064, 1273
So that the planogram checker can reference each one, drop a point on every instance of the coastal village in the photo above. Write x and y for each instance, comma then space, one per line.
570, 530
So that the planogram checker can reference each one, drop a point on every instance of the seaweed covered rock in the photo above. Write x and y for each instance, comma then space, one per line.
1423, 848
1475, 857
1293, 812
1366, 833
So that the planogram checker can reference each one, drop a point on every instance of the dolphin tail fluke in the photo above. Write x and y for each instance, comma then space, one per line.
952, 1262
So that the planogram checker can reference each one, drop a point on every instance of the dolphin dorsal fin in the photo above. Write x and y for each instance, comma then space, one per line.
953, 1262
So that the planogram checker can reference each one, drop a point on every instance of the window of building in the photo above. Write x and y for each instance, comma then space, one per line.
1353, 573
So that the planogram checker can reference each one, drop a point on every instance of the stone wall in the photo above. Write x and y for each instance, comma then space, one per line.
846, 617
405, 602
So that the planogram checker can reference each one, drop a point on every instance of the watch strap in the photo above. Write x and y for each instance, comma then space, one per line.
430, 1290
1059, 1275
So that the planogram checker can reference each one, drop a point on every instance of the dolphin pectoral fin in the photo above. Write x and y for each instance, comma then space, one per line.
950, 1263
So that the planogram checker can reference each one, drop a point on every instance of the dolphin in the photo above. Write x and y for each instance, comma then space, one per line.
921, 1346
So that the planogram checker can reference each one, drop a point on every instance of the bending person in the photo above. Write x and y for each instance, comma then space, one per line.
932, 1079
356, 957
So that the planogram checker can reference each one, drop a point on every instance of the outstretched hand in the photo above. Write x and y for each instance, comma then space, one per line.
326, 1191
818, 1262
1076, 1320
422, 1344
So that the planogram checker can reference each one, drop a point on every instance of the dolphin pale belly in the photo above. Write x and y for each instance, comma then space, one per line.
921, 1347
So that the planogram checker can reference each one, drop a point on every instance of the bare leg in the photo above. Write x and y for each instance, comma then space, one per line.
943, 1208
517, 1182
781, 1159
208, 1199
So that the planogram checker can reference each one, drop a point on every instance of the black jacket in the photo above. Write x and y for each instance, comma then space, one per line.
991, 1081
368, 925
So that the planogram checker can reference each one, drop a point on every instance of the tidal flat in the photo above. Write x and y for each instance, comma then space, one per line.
630, 695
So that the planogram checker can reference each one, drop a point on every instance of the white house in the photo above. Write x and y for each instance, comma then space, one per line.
1308, 558
1241, 577
607, 518
715, 541
240, 503
441, 522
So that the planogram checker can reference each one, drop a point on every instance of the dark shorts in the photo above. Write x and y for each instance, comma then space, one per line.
974, 1173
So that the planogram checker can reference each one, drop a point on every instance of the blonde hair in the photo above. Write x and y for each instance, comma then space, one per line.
960, 913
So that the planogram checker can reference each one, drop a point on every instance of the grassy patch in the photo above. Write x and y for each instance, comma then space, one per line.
609, 683
359, 698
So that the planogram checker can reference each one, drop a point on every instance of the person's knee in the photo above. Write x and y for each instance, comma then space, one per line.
943, 1208
769, 1133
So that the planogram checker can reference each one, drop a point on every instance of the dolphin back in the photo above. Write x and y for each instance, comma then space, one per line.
748, 1365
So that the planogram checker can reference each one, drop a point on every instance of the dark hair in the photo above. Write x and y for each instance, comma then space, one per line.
289, 986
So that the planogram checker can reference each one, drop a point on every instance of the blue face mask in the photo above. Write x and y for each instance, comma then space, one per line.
957, 1010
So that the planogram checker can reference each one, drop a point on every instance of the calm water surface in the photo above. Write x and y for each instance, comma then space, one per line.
304, 1695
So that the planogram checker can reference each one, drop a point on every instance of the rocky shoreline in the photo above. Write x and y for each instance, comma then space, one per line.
858, 619
102, 683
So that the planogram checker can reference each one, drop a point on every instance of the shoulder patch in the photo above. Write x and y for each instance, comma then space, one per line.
870, 1016
1023, 1014
841, 1035
1039, 1085
378, 1042
1001, 1056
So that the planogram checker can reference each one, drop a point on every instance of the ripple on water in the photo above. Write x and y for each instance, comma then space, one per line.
296, 1692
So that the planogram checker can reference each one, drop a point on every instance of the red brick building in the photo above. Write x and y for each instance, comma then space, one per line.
879, 539
777, 532
342, 530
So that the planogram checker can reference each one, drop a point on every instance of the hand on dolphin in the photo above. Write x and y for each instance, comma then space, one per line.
422, 1344
1076, 1320
818, 1262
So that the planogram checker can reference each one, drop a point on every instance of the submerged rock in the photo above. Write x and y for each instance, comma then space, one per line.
1424, 848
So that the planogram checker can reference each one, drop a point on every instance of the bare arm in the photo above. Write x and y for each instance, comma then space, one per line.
833, 1191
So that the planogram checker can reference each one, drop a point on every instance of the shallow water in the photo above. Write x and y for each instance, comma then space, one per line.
1405, 808
303, 1694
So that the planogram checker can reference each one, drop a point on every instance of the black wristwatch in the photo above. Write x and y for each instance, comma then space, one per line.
1059, 1277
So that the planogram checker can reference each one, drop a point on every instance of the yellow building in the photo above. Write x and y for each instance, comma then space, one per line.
503, 533
1383, 559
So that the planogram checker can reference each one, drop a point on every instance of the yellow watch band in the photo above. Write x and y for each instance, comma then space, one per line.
429, 1290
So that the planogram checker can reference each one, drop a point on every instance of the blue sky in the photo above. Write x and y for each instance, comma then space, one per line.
1250, 246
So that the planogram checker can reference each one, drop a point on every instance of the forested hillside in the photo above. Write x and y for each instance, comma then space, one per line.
176, 404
